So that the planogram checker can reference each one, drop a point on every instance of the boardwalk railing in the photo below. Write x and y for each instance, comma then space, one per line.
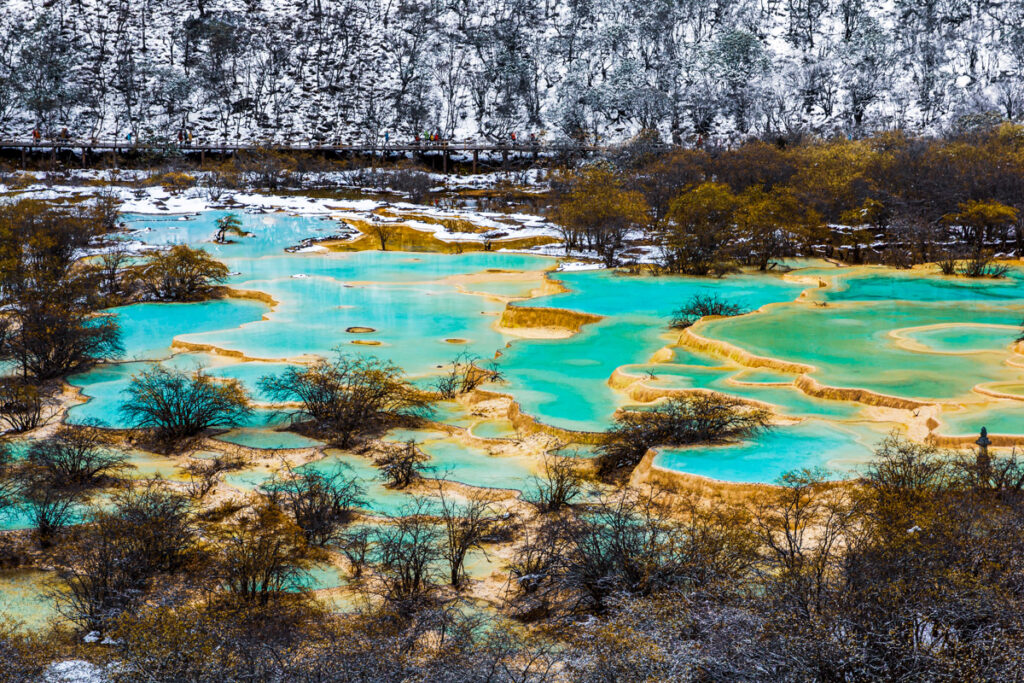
96, 145
443, 149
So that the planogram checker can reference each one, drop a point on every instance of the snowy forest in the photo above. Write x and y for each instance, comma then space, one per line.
599, 71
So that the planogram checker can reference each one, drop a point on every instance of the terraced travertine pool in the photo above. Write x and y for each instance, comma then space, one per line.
843, 355
912, 334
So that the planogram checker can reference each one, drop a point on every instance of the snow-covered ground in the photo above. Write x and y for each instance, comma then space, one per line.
490, 226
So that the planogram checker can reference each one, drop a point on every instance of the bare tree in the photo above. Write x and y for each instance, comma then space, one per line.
401, 464
356, 546
466, 526
10, 482
176, 405
801, 526
321, 504
108, 570
561, 484
464, 374
406, 552
384, 231
348, 395
49, 508
113, 265
262, 557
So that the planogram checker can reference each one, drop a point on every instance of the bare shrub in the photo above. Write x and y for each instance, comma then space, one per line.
401, 464
348, 395
77, 457
415, 185
175, 405
563, 481
701, 305
464, 374
182, 274
320, 504
982, 265
697, 418
22, 404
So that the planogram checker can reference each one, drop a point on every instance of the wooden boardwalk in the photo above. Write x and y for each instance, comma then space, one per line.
226, 147
98, 150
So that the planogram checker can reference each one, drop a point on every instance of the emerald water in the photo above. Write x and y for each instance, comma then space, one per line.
910, 334
1000, 417
850, 344
841, 449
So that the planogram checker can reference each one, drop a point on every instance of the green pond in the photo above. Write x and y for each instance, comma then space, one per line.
909, 334
1000, 417
26, 598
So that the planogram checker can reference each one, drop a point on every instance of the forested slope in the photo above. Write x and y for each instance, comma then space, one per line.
348, 70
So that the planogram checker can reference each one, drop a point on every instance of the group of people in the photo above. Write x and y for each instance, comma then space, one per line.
434, 138
437, 138
63, 136
514, 137
185, 137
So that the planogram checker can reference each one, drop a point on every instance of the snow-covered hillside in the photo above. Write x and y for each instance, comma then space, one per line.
353, 70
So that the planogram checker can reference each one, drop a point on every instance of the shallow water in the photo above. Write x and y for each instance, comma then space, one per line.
840, 449
963, 339
999, 417
267, 439
850, 344
494, 429
25, 599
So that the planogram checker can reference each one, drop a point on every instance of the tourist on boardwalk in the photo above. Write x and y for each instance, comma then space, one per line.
36, 135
